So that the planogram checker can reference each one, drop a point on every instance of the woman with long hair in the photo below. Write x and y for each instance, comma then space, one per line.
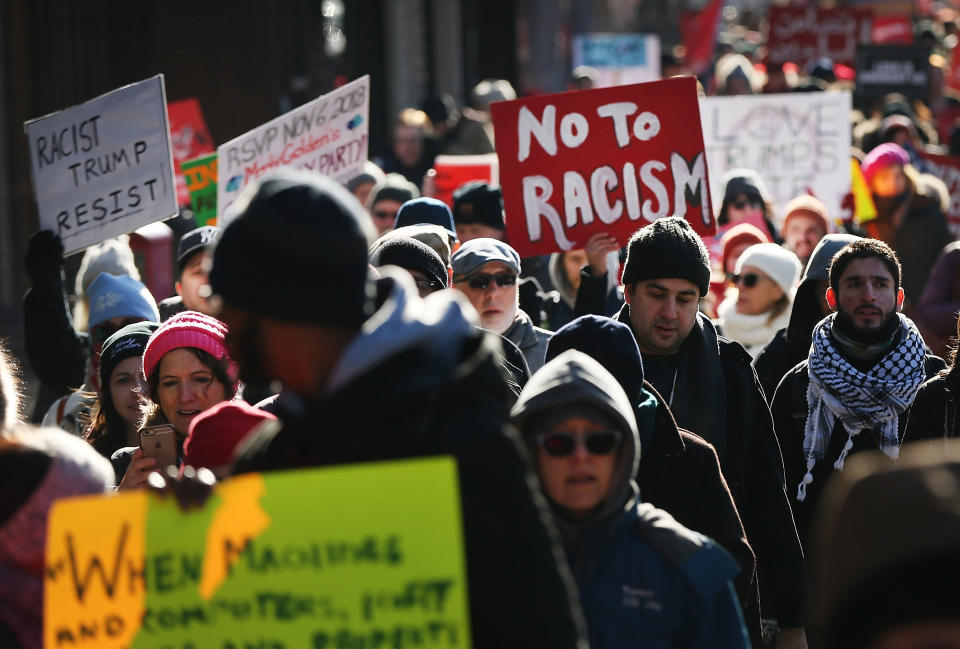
114, 419
188, 370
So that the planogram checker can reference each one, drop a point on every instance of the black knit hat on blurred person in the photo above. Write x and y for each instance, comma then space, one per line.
667, 248
295, 249
411, 254
478, 202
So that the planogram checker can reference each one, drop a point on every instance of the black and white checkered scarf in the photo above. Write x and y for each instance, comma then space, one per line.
871, 401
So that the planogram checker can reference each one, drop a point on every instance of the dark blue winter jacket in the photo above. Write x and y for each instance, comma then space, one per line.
644, 579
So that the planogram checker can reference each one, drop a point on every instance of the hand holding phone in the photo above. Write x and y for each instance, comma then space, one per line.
160, 443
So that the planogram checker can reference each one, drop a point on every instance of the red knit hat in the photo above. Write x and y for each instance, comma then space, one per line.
739, 234
187, 329
216, 432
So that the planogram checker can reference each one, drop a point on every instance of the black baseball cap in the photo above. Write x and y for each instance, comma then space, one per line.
196, 240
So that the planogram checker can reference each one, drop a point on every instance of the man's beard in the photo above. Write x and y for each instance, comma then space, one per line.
867, 335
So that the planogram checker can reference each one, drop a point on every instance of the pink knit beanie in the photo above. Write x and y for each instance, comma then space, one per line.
187, 329
885, 155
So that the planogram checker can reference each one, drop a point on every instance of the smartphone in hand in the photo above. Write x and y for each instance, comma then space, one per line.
160, 443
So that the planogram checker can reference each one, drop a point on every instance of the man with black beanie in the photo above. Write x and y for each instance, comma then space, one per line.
366, 381
417, 258
478, 211
712, 390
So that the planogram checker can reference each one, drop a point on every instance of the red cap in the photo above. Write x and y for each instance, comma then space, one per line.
216, 432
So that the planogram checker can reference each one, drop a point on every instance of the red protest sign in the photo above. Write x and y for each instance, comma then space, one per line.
189, 138
610, 159
455, 170
798, 34
947, 169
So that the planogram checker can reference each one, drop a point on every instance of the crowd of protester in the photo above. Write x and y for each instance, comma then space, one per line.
658, 440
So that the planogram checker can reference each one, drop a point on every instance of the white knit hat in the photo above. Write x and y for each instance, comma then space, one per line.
782, 266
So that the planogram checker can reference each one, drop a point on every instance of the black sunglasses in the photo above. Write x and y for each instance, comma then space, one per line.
480, 281
749, 280
741, 204
562, 444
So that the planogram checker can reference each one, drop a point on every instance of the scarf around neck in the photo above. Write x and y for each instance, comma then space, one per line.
751, 331
862, 401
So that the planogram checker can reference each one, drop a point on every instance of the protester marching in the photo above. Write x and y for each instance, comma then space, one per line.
668, 359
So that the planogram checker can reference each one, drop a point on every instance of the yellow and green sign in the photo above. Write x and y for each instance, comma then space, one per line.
361, 556
201, 176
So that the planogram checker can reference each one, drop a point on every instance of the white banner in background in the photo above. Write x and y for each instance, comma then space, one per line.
327, 135
799, 143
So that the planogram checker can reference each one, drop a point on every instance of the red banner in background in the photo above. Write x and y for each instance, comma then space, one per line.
699, 30
892, 30
947, 169
189, 138
604, 160
799, 34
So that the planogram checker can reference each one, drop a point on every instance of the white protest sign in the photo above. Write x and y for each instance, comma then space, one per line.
104, 168
619, 59
799, 143
327, 135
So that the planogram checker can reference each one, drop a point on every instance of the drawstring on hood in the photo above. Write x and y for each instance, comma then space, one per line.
575, 378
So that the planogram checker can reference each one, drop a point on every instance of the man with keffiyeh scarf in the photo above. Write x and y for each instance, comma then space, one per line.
852, 393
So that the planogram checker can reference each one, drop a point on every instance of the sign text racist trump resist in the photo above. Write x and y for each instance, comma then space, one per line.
104, 167
610, 159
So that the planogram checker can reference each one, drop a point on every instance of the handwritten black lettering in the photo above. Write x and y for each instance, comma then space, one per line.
81, 584
139, 148
76, 138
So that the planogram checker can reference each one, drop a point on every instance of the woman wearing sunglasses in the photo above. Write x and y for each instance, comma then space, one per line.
759, 307
643, 579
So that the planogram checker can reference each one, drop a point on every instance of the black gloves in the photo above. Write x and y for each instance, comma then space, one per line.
44, 259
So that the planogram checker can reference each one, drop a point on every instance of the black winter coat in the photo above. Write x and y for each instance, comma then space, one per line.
935, 413
719, 379
680, 473
790, 418
791, 345
412, 405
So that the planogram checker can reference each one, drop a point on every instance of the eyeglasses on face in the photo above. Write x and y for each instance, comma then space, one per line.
749, 280
481, 281
743, 203
560, 444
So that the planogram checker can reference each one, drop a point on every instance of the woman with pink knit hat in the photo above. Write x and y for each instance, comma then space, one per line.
188, 371
910, 213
